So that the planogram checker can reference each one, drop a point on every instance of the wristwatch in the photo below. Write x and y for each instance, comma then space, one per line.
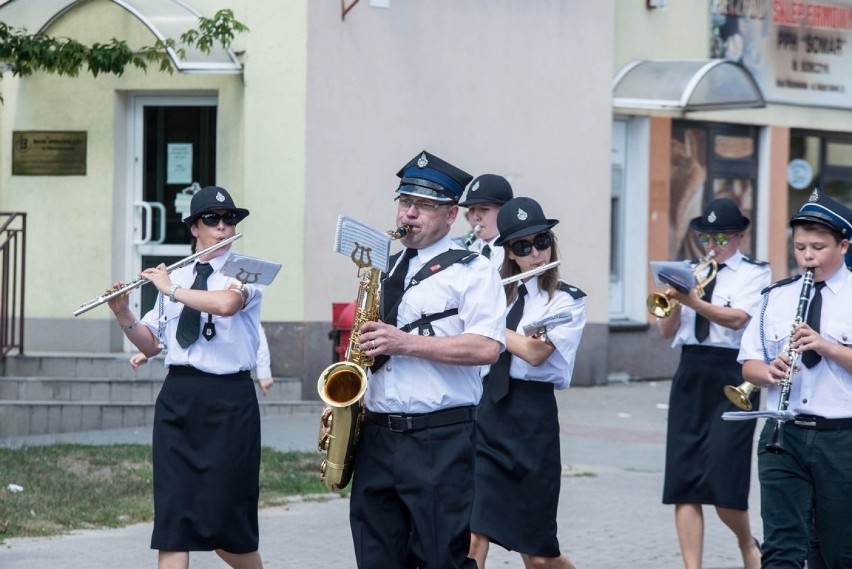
172, 291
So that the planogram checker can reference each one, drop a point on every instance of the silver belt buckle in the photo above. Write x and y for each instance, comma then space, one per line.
804, 422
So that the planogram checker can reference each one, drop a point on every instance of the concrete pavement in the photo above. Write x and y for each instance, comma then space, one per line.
610, 515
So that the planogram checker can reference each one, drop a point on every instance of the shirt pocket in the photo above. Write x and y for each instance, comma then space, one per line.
776, 339
171, 310
723, 296
839, 332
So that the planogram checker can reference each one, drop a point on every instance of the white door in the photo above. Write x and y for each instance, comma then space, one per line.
172, 149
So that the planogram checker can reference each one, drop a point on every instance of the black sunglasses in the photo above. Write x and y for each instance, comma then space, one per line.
213, 219
541, 242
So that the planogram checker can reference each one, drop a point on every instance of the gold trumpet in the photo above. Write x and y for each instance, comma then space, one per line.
740, 394
661, 304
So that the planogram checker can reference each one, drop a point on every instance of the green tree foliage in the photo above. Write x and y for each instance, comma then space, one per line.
22, 53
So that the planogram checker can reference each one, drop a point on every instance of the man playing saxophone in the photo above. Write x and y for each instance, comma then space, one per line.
808, 479
708, 460
442, 315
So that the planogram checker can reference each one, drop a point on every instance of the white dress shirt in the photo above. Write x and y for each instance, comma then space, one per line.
232, 349
263, 367
559, 366
738, 285
497, 252
415, 385
825, 389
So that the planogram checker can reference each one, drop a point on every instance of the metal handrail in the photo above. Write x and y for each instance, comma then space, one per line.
13, 229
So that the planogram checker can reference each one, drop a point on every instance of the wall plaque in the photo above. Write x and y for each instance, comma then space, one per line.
48, 153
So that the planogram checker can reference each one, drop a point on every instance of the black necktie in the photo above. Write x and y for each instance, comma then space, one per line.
498, 378
810, 358
487, 251
189, 324
393, 287
702, 325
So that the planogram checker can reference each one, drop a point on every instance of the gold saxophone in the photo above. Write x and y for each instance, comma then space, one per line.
342, 384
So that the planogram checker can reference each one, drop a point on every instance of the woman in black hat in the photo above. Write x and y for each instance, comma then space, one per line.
518, 464
708, 460
485, 195
206, 435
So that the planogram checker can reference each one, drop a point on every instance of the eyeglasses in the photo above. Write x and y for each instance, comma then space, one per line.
213, 219
721, 239
541, 242
420, 205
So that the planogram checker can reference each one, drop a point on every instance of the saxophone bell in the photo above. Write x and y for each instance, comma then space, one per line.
342, 384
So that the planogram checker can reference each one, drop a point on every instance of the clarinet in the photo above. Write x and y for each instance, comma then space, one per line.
776, 443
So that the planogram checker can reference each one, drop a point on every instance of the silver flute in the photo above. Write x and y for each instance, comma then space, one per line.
106, 297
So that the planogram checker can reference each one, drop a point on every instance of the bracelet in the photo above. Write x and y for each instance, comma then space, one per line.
172, 291
130, 327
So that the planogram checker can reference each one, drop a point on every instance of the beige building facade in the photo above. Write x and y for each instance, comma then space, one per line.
768, 152
308, 116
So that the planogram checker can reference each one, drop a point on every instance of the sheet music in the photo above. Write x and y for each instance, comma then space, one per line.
547, 323
362, 243
746, 415
675, 273
249, 270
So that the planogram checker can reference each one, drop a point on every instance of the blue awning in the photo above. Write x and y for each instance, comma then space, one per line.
164, 18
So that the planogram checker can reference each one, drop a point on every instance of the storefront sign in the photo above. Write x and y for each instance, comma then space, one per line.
48, 153
799, 52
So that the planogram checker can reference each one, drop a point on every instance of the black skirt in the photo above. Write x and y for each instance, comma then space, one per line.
206, 453
708, 459
518, 470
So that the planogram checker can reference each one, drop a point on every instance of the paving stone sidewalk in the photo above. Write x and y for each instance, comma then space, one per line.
610, 515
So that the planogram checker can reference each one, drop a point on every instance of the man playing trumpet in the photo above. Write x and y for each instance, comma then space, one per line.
708, 460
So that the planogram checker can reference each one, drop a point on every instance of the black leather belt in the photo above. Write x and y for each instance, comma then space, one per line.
193, 371
821, 423
403, 423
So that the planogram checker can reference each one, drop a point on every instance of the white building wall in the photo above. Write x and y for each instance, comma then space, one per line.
520, 89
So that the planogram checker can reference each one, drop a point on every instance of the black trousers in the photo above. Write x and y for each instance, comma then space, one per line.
809, 483
411, 498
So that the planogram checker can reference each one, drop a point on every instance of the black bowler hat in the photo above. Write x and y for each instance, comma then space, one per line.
212, 198
428, 176
520, 217
720, 215
821, 209
488, 188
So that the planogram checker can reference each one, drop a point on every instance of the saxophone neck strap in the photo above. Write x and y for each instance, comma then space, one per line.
426, 319
432, 267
